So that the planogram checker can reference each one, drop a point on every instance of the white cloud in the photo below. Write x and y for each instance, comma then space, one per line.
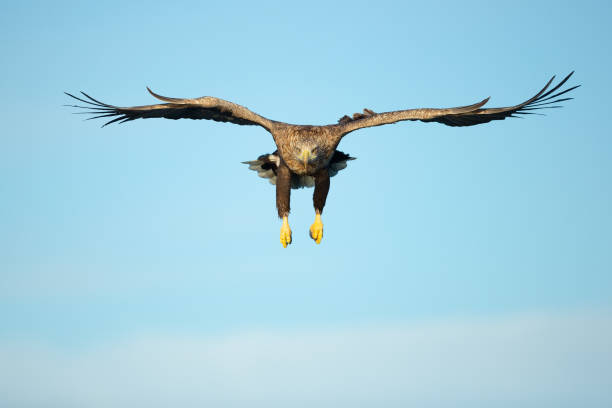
522, 361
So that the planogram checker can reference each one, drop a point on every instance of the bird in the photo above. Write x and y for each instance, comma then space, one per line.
307, 155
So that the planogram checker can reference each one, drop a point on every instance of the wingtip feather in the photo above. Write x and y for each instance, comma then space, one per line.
163, 98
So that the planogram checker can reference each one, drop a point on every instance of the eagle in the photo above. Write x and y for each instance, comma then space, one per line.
307, 155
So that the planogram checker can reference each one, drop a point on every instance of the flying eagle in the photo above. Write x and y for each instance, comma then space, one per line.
306, 156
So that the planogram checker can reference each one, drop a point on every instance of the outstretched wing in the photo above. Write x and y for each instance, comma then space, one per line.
206, 107
461, 116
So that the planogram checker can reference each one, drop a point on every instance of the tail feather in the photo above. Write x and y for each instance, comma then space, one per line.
266, 167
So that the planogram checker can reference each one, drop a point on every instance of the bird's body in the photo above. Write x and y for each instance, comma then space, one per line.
306, 155
294, 141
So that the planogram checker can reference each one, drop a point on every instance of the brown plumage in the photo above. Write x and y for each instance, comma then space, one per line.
307, 155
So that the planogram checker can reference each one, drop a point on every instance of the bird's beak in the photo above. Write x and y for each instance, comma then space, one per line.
306, 157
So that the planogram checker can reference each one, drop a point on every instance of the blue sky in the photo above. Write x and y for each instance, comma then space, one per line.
151, 237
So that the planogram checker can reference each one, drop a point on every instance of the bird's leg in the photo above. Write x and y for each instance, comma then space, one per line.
283, 198
318, 198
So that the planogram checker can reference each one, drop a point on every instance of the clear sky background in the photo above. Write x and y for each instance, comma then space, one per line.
140, 264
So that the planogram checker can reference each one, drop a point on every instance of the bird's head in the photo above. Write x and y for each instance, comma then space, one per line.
309, 155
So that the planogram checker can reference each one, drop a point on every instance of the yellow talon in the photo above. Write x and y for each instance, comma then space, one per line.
285, 233
316, 229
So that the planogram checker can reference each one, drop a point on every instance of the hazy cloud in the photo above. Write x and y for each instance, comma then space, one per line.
519, 361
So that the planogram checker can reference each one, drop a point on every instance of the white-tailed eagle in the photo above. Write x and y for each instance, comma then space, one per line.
306, 156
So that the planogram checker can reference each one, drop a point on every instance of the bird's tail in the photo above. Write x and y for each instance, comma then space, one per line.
266, 166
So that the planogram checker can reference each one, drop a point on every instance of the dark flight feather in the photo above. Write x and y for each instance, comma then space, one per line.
466, 115
200, 108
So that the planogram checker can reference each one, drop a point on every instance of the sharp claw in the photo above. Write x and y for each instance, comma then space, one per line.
285, 233
316, 229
